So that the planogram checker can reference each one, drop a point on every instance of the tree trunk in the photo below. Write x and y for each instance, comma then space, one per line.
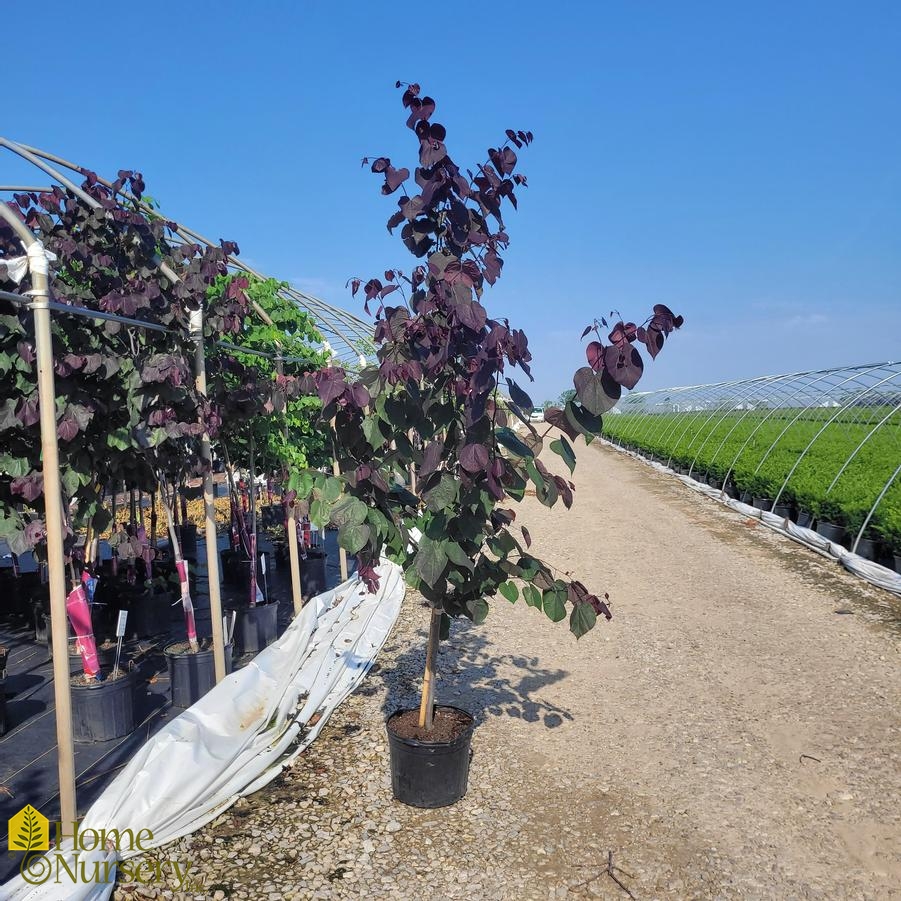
427, 705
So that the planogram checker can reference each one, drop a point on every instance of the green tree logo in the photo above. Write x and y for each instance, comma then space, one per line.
29, 830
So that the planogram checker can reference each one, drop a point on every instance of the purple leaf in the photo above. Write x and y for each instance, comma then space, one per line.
431, 458
595, 354
474, 458
624, 365
597, 391
557, 418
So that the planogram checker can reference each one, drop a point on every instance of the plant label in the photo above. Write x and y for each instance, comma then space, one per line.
120, 623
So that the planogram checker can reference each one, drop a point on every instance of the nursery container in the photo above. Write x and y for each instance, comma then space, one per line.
783, 510
2, 690
256, 627
866, 548
188, 539
804, 519
312, 573
191, 676
763, 503
429, 774
148, 613
104, 710
831, 531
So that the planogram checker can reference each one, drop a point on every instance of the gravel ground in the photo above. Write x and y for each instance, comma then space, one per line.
732, 733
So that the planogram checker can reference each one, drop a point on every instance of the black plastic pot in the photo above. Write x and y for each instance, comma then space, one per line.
191, 676
804, 519
2, 690
103, 711
312, 573
188, 538
731, 491
236, 567
866, 548
714, 482
148, 614
897, 560
256, 627
429, 774
763, 503
831, 531
783, 510
272, 515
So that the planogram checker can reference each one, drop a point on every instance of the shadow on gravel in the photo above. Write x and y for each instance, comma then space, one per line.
471, 675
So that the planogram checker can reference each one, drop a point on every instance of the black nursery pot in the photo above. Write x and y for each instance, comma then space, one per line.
763, 503
831, 531
429, 774
746, 497
188, 538
256, 627
866, 548
783, 510
312, 573
103, 710
272, 515
148, 613
191, 676
804, 519
236, 567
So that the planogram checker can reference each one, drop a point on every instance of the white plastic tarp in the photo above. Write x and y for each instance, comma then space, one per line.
238, 737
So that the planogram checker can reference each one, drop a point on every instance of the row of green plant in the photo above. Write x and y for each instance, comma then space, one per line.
758, 450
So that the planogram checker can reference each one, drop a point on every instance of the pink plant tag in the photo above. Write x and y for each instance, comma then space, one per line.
182, 567
80, 616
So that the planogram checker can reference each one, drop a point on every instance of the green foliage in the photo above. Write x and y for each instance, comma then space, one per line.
256, 396
765, 450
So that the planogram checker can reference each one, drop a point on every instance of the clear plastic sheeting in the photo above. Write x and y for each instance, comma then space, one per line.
865, 569
239, 736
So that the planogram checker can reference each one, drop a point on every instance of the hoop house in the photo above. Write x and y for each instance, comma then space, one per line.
824, 442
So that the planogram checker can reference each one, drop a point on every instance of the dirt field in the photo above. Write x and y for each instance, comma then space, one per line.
732, 733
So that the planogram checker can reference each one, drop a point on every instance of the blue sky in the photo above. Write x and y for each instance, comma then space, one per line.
740, 163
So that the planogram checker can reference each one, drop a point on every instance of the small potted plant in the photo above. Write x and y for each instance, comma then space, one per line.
433, 402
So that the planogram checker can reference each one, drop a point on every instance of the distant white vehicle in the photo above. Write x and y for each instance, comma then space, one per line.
536, 416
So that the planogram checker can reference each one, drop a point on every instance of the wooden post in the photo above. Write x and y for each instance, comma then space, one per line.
209, 508
427, 705
53, 501
294, 558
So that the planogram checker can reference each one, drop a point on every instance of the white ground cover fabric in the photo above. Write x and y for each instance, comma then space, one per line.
236, 739
860, 566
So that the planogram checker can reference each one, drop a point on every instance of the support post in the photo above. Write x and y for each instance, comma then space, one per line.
53, 501
427, 705
209, 507
294, 558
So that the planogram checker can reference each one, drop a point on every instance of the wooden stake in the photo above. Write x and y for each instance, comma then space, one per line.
53, 505
427, 705
294, 558
209, 508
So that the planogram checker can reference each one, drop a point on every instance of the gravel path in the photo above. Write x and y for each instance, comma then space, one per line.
734, 732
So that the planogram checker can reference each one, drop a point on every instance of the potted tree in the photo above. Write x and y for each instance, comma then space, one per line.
433, 402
